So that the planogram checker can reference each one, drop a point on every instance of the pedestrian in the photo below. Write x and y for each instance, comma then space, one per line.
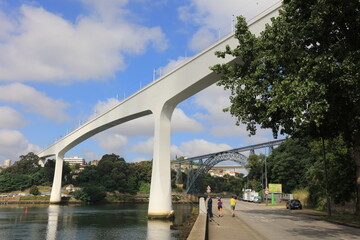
209, 207
220, 207
232, 205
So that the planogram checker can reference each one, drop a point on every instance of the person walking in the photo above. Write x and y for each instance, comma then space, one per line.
209, 207
232, 205
219, 203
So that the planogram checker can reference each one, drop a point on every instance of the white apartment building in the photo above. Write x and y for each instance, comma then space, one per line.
75, 160
7, 163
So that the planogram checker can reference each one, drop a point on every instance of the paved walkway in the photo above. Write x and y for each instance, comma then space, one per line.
228, 227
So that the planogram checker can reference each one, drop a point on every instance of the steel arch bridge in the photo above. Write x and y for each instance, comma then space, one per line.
195, 177
206, 162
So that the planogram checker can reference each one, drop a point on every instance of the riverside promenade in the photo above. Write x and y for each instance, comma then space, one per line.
228, 227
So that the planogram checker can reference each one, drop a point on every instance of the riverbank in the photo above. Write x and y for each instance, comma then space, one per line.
16, 198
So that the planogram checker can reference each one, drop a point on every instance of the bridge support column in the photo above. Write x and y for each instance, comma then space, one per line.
56, 187
160, 204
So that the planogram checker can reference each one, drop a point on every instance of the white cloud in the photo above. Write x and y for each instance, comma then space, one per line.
144, 147
198, 147
45, 47
13, 144
10, 118
171, 66
103, 106
112, 143
214, 99
221, 124
203, 38
34, 101
182, 123
89, 155
212, 17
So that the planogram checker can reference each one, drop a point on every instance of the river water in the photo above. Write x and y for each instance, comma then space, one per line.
69, 222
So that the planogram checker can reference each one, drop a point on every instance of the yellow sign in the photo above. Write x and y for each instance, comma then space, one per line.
275, 188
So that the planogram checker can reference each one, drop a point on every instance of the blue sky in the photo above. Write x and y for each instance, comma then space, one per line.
62, 62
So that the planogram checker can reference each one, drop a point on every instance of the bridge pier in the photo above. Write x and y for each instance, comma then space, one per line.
160, 202
55, 196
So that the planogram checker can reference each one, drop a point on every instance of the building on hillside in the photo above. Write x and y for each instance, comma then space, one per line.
221, 173
75, 160
183, 167
231, 173
7, 163
94, 162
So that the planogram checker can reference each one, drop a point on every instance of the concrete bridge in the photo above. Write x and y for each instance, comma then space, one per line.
160, 99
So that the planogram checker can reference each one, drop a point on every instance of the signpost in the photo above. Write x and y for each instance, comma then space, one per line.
274, 188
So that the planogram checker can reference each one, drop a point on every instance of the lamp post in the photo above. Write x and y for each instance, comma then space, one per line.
328, 200
266, 183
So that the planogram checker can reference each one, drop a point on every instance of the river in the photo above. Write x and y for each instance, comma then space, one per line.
70, 222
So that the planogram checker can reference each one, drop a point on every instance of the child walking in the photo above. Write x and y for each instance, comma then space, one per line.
220, 207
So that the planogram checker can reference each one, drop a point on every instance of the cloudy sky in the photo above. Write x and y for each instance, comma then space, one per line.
62, 62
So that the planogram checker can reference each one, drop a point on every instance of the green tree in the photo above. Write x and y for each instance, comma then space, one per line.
14, 182
301, 75
288, 164
256, 171
96, 194
34, 190
144, 187
143, 170
89, 176
27, 164
81, 195
341, 171
90, 194
49, 171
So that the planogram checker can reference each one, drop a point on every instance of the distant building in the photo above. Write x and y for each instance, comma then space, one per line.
7, 163
221, 173
94, 162
75, 160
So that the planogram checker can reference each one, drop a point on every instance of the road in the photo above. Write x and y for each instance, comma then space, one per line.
257, 222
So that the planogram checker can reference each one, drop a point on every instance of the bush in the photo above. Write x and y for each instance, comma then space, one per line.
81, 195
302, 195
34, 190
96, 194
120, 198
90, 194
144, 187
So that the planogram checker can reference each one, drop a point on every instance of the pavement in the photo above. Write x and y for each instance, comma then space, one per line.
228, 227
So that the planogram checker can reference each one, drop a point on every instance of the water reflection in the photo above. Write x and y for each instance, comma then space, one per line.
158, 229
54, 222
53, 218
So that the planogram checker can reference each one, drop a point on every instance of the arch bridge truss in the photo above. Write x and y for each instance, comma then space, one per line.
197, 170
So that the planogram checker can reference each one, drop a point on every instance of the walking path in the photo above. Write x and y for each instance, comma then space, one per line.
228, 227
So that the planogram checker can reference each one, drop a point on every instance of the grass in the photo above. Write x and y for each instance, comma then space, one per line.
345, 218
41, 198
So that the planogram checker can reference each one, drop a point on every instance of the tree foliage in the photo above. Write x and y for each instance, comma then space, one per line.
341, 171
301, 75
27, 164
14, 182
288, 164
115, 174
255, 166
34, 190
